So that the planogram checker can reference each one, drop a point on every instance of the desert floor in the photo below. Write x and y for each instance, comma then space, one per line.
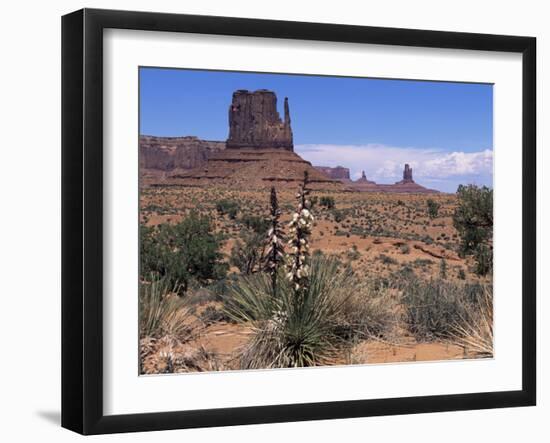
377, 234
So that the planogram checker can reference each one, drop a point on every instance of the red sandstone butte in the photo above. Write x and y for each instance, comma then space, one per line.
254, 122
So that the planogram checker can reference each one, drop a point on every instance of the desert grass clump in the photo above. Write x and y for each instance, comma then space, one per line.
433, 308
167, 331
161, 312
370, 309
475, 331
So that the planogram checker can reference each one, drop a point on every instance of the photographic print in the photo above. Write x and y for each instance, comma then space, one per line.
291, 221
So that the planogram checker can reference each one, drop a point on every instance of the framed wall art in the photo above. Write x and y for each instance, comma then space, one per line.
269, 221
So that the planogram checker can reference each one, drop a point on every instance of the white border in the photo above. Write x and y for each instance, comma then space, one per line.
125, 392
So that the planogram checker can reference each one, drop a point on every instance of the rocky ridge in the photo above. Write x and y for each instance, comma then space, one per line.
160, 156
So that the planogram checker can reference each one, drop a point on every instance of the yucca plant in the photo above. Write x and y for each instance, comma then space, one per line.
287, 333
161, 312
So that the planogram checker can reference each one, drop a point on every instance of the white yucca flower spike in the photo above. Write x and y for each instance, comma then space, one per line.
275, 237
300, 229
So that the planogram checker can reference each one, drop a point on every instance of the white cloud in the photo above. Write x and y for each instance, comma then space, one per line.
385, 163
460, 163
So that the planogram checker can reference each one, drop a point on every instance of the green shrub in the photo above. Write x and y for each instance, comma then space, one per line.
433, 208
247, 252
484, 260
338, 216
421, 262
443, 269
182, 253
327, 202
386, 259
405, 248
227, 207
257, 224
427, 239
473, 219
405, 272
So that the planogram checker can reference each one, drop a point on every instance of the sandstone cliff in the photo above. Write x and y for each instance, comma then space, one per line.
169, 153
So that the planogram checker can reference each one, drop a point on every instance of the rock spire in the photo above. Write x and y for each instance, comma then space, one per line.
407, 174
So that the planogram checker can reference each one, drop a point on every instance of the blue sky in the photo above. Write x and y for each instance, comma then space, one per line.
444, 130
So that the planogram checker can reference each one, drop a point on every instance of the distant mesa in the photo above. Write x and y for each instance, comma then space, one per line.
170, 153
259, 152
335, 173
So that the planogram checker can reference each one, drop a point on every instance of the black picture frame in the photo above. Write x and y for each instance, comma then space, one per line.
82, 218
